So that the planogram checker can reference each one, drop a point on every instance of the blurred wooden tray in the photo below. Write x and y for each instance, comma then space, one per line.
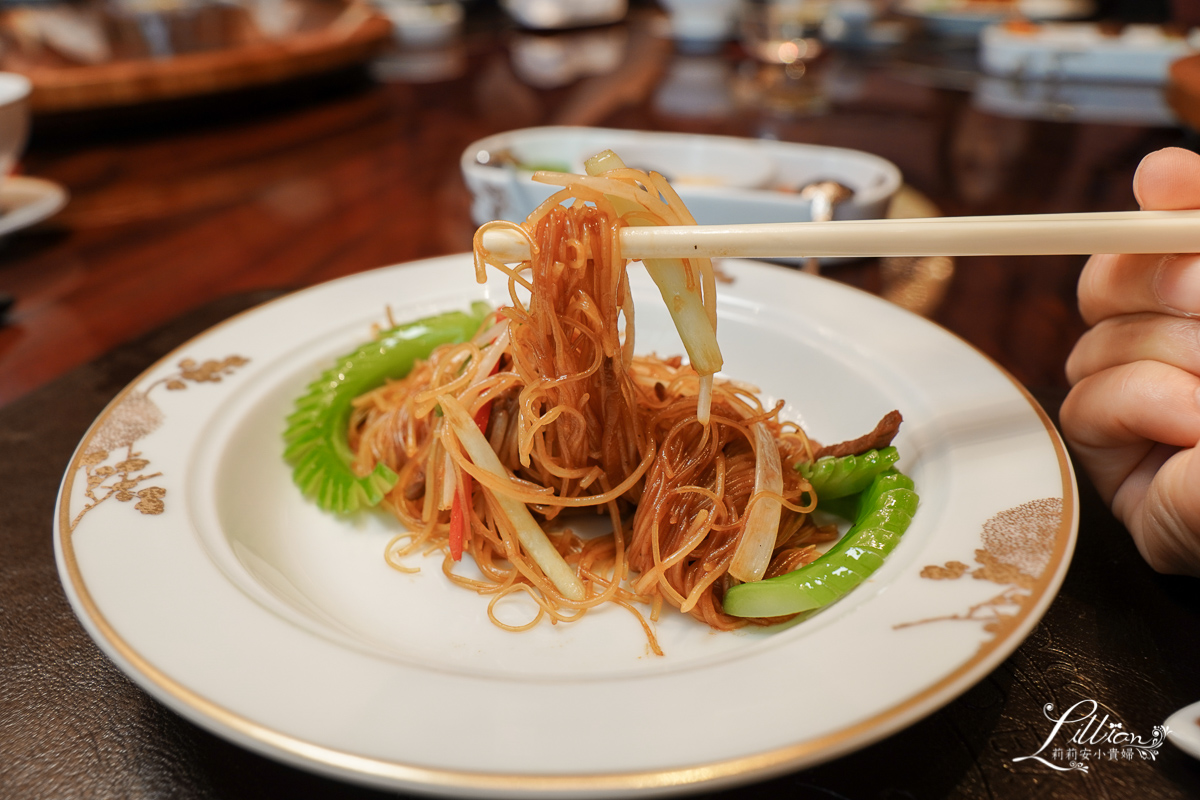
346, 38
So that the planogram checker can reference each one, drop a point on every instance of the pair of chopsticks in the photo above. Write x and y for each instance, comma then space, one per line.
1025, 234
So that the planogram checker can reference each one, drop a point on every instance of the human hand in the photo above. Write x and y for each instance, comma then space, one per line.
1133, 415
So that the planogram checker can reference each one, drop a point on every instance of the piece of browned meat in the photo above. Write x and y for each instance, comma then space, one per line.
877, 439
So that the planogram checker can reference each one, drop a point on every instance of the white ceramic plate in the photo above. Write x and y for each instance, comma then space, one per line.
1185, 729
25, 201
198, 568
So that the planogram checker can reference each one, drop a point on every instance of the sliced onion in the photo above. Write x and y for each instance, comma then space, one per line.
449, 484
753, 552
492, 354
529, 533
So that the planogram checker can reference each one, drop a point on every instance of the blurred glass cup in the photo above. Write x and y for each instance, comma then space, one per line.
14, 119
783, 31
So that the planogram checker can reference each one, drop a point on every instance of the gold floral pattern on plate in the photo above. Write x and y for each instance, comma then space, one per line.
1018, 545
134, 417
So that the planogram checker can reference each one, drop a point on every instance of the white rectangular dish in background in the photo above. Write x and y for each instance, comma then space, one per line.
722, 179
1083, 51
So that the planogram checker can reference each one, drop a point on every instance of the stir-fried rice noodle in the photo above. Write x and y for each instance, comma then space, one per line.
582, 425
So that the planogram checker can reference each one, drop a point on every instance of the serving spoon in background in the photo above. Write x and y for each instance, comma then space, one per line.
1023, 234
823, 198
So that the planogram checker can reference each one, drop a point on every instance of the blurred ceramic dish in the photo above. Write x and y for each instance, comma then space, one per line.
423, 24
1082, 51
27, 201
970, 17
1185, 729
559, 14
722, 179
14, 118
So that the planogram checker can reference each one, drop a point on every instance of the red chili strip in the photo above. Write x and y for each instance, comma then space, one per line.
460, 527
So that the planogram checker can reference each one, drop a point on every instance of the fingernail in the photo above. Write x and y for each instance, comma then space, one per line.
1177, 284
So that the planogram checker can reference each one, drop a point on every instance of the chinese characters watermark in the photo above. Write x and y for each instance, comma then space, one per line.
1080, 736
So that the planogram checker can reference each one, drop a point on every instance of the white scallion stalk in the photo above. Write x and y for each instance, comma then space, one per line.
492, 354
704, 399
432, 491
449, 485
685, 304
688, 313
529, 533
753, 553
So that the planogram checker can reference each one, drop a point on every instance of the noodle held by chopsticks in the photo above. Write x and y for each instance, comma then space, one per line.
547, 413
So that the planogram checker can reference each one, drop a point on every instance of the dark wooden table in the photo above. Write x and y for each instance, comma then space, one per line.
181, 215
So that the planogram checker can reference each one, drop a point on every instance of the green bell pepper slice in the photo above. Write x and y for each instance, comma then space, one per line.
885, 510
315, 438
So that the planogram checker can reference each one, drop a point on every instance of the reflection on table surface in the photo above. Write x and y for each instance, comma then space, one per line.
177, 204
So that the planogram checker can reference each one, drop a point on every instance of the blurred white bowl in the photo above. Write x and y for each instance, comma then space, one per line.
722, 179
559, 14
423, 24
14, 119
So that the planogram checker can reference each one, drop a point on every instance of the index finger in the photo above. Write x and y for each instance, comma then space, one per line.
1168, 180
1112, 285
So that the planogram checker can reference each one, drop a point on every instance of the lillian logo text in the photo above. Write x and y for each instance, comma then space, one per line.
1081, 735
